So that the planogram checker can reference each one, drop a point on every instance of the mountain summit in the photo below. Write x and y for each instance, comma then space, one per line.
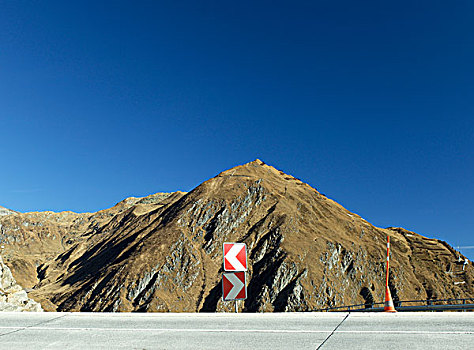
165, 254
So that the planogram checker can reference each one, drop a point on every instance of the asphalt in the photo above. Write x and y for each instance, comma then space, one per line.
432, 330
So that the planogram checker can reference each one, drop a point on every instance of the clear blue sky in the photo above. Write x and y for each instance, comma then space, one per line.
370, 102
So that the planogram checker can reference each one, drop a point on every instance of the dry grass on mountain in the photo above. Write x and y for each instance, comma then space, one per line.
163, 252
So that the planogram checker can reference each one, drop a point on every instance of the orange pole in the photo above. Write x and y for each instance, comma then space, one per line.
388, 258
388, 298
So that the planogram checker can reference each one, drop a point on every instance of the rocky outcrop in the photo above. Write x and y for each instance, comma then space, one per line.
164, 253
12, 296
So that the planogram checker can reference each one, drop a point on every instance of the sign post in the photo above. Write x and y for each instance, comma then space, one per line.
234, 280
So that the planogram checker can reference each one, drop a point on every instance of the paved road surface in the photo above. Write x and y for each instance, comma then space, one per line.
242, 331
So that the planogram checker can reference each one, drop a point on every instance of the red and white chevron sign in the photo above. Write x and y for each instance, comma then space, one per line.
235, 257
234, 286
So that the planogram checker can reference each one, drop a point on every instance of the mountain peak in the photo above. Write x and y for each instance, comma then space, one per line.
257, 162
254, 167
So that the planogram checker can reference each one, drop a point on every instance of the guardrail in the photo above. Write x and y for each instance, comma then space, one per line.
409, 305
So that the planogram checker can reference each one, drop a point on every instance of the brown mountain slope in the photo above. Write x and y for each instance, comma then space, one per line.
305, 252
28, 240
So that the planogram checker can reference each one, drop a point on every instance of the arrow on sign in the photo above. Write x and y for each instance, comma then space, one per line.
233, 286
235, 257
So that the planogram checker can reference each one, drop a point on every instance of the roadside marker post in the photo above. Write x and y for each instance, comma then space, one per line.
234, 280
388, 307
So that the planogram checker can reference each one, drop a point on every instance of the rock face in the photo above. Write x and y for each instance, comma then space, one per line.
12, 296
164, 252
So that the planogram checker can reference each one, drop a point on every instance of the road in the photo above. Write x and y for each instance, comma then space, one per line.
435, 330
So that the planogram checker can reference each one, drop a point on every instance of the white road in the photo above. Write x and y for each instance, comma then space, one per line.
453, 330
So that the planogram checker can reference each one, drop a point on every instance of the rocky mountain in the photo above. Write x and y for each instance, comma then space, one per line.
164, 252
27, 240
12, 295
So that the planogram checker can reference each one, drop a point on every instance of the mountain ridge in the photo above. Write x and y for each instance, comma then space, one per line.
305, 251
